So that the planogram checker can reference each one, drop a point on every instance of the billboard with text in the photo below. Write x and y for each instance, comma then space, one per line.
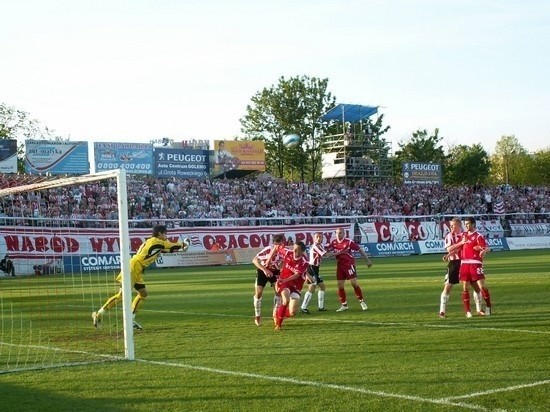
181, 163
421, 173
56, 157
135, 158
238, 155
8, 156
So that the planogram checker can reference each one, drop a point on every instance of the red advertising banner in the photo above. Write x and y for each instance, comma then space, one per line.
34, 242
373, 232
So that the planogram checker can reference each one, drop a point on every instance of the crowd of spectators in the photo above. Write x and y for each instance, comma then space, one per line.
255, 201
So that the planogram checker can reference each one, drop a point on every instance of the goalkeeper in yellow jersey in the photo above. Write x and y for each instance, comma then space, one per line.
146, 254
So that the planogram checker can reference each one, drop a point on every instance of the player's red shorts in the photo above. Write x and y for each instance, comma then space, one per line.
279, 287
471, 272
345, 272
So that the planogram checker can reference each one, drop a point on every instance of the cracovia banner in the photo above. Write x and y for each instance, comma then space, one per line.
32, 242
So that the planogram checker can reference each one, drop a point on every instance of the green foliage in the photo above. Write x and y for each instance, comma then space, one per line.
521, 168
421, 147
368, 132
467, 165
291, 106
201, 351
539, 168
506, 161
18, 124
377, 129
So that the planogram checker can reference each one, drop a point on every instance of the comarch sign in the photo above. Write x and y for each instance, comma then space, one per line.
438, 246
498, 244
432, 246
392, 248
90, 263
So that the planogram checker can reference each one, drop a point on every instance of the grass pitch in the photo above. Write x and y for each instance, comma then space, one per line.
200, 349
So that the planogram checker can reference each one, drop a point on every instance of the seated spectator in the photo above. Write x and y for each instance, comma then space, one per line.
46, 269
6, 266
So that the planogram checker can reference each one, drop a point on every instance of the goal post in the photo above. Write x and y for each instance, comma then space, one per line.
47, 230
122, 200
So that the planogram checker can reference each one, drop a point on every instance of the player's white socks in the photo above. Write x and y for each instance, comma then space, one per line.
478, 300
444, 300
307, 299
257, 306
321, 299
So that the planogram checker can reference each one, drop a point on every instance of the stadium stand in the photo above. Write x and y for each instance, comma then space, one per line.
206, 200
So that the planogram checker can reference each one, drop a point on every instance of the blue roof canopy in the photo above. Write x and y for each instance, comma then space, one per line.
352, 113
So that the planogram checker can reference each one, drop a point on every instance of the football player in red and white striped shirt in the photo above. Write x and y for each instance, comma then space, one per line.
316, 253
268, 262
474, 248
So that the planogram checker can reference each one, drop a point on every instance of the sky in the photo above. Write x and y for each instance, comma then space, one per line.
136, 70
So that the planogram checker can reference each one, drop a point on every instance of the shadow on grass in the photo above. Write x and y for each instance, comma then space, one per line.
17, 397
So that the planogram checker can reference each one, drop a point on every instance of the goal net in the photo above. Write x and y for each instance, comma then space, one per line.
62, 243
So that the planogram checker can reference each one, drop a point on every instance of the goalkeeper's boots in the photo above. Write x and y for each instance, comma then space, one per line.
137, 326
97, 319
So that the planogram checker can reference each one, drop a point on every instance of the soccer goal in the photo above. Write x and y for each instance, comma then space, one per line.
67, 239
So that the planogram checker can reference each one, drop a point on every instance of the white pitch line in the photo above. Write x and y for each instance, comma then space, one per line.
323, 385
492, 391
419, 325
543, 332
46, 367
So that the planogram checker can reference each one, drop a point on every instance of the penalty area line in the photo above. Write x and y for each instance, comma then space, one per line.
419, 399
492, 391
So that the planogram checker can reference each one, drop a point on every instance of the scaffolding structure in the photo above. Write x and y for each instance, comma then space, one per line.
355, 153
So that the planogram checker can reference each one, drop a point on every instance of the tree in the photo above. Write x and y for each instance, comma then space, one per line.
18, 124
291, 106
538, 169
510, 162
420, 148
467, 165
